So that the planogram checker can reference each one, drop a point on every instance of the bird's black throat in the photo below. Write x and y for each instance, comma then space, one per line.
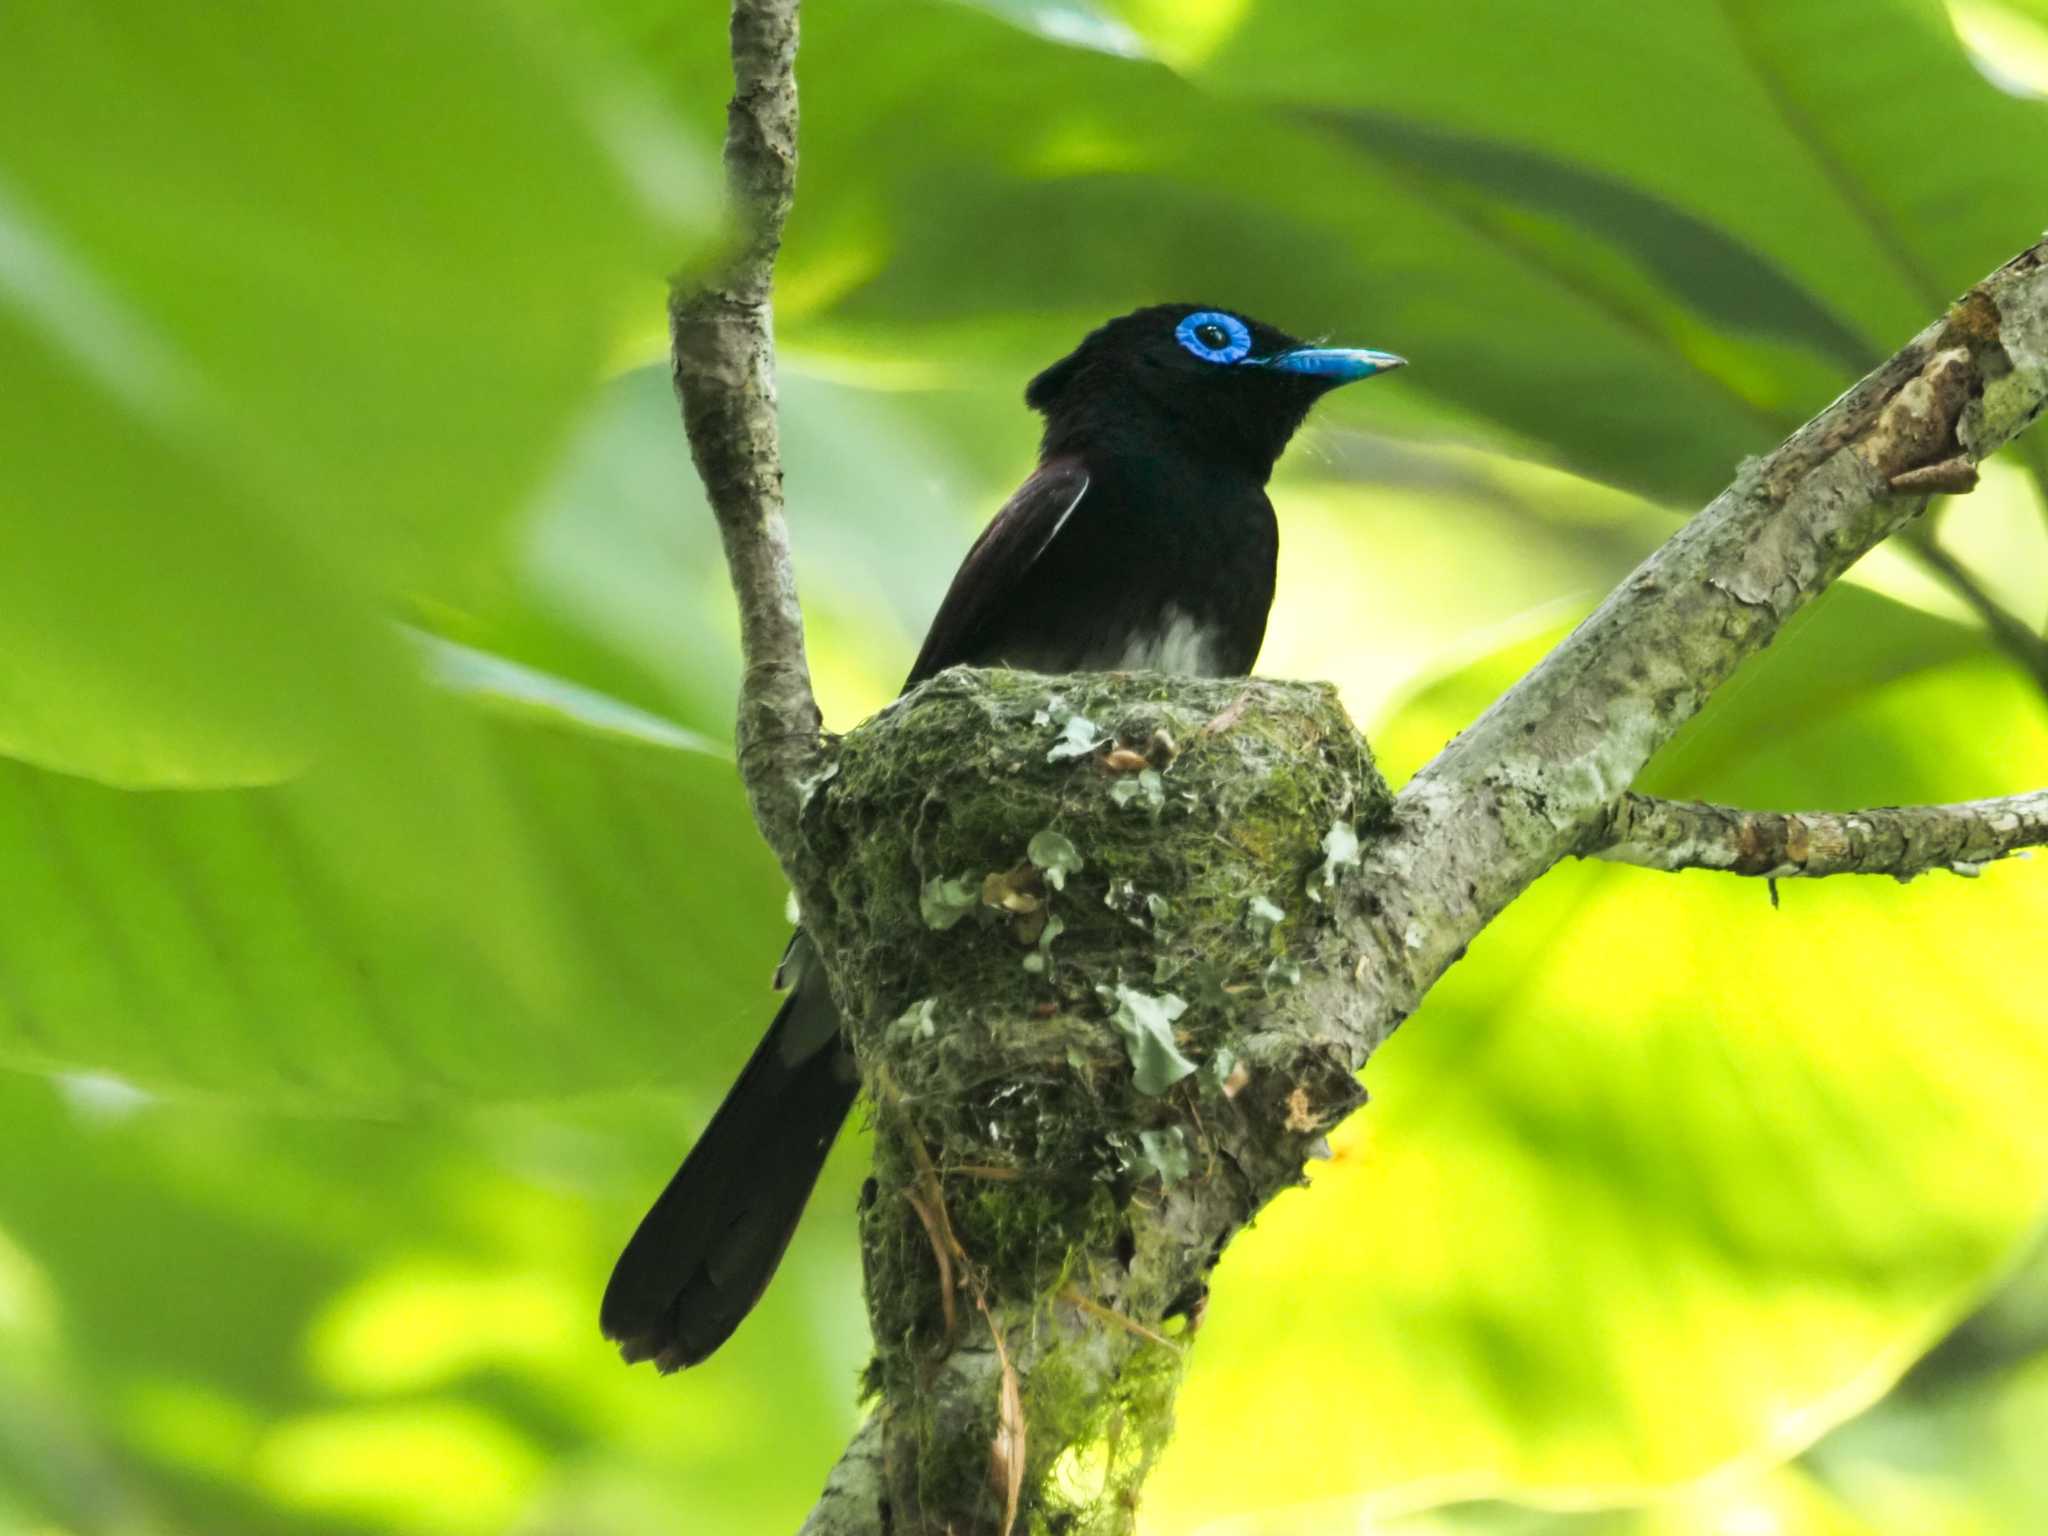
1167, 565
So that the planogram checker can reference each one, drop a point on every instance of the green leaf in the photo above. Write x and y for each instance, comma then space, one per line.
1577, 252
1850, 645
438, 1262
517, 692
356, 939
1623, 168
1718, 1172
283, 332
1846, 647
619, 582
1951, 1441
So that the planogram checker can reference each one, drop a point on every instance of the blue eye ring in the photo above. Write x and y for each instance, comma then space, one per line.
1198, 333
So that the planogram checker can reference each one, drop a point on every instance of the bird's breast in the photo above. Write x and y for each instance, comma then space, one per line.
1176, 641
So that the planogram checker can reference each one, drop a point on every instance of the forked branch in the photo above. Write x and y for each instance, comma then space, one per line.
1538, 774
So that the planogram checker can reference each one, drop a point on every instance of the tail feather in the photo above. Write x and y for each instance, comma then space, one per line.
706, 1250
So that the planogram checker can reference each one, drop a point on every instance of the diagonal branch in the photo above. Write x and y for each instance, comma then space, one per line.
723, 355
1533, 778
1901, 841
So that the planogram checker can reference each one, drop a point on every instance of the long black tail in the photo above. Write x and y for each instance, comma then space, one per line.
706, 1251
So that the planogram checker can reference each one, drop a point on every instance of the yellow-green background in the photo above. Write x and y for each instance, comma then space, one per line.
379, 917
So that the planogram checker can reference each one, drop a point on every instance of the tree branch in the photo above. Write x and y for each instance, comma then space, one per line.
723, 356
1534, 777
857, 1489
1902, 841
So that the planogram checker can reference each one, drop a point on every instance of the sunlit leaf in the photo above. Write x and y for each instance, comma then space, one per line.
282, 328
1661, 1177
304, 943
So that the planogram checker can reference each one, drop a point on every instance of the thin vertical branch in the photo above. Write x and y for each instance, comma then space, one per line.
723, 354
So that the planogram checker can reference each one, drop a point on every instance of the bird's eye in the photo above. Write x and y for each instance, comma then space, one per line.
1214, 337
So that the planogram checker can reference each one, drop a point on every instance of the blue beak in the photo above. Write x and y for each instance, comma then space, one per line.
1340, 365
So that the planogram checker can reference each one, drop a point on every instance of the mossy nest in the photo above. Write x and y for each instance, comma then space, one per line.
1086, 935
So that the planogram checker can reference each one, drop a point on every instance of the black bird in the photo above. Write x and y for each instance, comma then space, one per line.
1144, 540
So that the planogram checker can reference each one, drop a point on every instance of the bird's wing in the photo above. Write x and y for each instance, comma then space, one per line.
1008, 547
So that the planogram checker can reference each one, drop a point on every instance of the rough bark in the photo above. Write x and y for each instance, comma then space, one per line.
853, 1493
1900, 841
1533, 778
722, 352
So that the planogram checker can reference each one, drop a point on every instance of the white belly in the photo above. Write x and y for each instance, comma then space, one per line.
1177, 644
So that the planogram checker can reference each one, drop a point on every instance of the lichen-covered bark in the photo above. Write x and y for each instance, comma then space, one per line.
1090, 938
1901, 841
852, 1501
1533, 779
722, 352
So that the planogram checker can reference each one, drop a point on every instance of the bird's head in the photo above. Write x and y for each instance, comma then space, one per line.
1201, 378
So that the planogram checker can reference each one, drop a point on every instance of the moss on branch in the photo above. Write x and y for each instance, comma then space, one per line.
1087, 935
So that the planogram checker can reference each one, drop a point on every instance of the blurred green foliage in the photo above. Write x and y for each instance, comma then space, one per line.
379, 915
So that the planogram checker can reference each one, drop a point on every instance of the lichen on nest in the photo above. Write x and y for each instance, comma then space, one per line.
1085, 934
